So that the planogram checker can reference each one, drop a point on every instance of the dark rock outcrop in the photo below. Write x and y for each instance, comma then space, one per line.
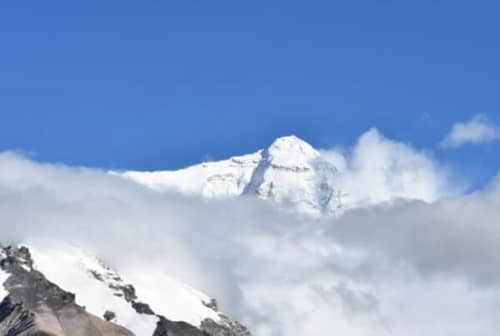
228, 328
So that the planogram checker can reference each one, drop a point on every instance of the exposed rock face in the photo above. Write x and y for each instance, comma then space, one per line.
109, 315
208, 328
34, 306
169, 328
231, 328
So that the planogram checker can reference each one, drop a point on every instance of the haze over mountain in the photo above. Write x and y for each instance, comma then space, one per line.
100, 254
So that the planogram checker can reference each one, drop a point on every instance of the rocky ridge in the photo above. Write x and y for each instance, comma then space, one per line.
33, 305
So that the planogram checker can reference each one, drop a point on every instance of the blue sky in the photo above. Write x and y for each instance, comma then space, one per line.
161, 84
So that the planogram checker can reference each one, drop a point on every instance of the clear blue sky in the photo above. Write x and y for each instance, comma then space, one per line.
160, 84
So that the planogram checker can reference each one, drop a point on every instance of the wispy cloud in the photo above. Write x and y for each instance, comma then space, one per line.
477, 130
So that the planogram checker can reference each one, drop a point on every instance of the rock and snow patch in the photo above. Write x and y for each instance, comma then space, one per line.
134, 303
3, 277
171, 298
211, 179
70, 268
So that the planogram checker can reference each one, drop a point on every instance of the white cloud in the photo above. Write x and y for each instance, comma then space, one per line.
410, 268
379, 170
477, 130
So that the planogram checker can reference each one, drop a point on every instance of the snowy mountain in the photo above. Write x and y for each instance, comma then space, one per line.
289, 172
293, 174
62, 290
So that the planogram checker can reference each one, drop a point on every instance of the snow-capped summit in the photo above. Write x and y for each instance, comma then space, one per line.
290, 172
290, 151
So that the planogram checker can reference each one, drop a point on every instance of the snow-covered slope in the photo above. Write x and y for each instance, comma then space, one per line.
138, 307
3, 276
290, 172
95, 287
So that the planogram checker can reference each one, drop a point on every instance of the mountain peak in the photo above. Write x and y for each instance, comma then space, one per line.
291, 140
291, 148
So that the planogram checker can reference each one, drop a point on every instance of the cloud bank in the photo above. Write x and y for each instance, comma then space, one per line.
405, 268
477, 130
380, 170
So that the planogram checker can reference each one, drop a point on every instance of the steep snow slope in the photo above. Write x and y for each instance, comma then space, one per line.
101, 289
79, 273
217, 179
3, 277
290, 172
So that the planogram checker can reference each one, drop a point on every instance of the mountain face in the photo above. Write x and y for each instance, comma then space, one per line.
289, 172
65, 292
